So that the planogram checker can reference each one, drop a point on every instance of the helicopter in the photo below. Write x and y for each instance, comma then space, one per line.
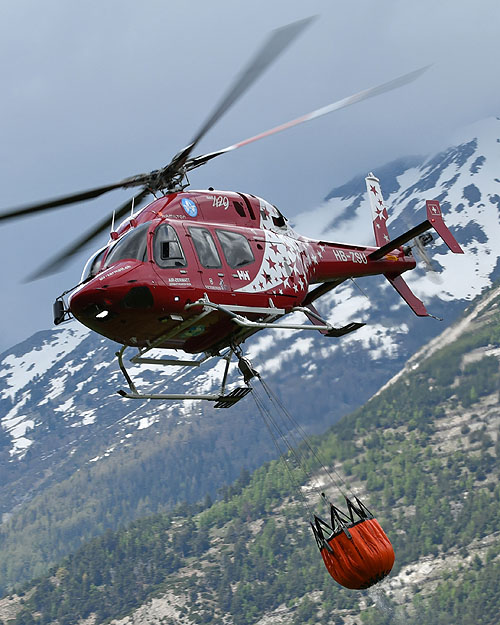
201, 271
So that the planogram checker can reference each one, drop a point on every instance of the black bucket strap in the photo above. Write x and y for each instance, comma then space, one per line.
359, 509
317, 528
340, 522
339, 519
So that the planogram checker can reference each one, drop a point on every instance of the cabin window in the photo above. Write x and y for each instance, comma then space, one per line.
236, 248
133, 244
205, 247
93, 265
167, 248
238, 206
248, 205
280, 221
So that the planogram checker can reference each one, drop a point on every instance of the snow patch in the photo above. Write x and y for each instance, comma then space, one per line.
20, 371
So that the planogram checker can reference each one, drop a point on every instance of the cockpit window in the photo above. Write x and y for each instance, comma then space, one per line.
93, 265
205, 247
236, 248
167, 248
133, 244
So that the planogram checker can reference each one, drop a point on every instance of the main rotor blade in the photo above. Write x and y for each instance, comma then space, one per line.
58, 262
73, 198
276, 43
335, 106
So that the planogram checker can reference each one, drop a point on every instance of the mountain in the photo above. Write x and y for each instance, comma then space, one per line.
75, 459
423, 454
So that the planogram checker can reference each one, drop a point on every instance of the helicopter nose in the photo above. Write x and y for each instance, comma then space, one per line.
100, 304
92, 304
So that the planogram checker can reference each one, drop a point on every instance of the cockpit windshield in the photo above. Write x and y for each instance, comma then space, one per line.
93, 265
133, 244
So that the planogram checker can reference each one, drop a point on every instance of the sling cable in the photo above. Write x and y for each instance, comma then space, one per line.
354, 547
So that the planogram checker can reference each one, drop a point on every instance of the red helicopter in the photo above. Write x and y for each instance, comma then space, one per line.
202, 271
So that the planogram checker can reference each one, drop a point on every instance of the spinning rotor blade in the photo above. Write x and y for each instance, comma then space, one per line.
276, 43
57, 262
424, 257
335, 106
73, 198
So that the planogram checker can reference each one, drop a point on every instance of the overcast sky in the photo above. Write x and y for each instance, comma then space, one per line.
96, 91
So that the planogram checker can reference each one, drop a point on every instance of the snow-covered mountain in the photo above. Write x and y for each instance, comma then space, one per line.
61, 417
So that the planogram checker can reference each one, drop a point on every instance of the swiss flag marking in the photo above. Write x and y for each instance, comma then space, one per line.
434, 207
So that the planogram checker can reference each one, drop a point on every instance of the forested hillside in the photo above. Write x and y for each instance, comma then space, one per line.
423, 454
76, 460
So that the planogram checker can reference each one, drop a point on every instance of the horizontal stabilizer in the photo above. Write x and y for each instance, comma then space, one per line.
406, 293
434, 220
399, 241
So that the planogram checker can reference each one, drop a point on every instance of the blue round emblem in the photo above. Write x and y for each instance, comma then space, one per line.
189, 207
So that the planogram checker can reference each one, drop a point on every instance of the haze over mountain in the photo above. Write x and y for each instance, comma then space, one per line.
75, 459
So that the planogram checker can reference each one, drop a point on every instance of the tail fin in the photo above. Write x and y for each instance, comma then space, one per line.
382, 239
379, 210
434, 220
407, 294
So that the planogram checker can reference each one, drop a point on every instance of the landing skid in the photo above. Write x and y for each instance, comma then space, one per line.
220, 400
237, 315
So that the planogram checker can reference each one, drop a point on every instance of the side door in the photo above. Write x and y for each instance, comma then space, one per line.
171, 262
239, 250
213, 271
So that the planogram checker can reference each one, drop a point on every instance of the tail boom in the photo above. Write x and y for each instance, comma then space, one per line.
340, 262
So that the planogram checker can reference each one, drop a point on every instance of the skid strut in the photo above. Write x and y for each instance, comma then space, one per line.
265, 316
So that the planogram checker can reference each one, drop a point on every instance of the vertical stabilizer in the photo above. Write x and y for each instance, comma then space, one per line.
379, 210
